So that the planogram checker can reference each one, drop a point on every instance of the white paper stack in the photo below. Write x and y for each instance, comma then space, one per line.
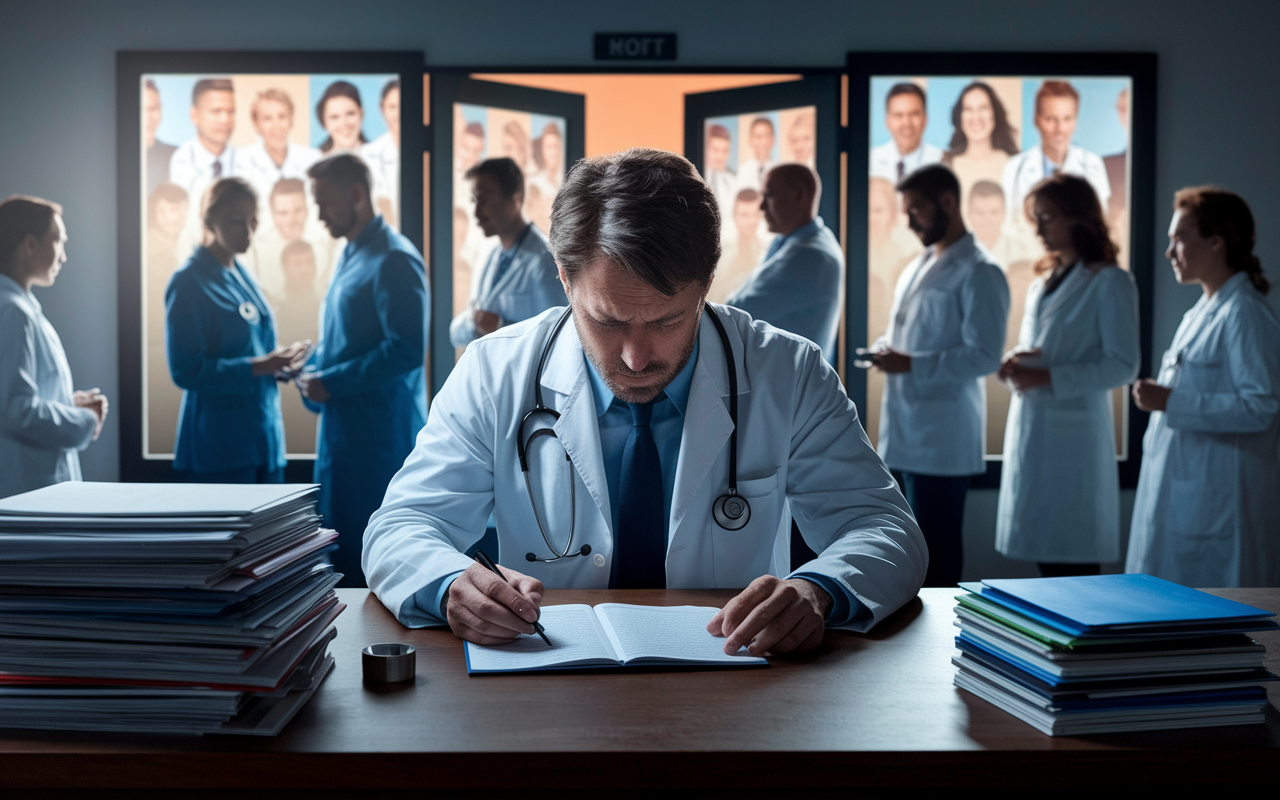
163, 608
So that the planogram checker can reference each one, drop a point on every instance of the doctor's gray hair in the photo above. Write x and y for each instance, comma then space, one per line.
648, 211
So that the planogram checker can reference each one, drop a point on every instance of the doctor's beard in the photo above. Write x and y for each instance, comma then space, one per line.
661, 372
934, 233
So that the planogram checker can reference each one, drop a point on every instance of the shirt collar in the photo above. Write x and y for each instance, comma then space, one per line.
677, 391
10, 286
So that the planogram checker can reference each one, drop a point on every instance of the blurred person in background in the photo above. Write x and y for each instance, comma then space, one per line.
45, 423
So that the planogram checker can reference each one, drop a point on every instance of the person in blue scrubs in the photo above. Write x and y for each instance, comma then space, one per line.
221, 343
366, 377
798, 285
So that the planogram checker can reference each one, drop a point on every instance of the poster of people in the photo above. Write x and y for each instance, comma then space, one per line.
535, 142
738, 151
1001, 136
267, 130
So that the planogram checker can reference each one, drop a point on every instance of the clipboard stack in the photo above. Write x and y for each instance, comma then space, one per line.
163, 608
1109, 653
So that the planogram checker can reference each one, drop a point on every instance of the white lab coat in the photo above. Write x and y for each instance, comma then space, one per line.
801, 451
41, 428
884, 160
530, 286
383, 157
1060, 489
951, 321
255, 165
1207, 509
1026, 169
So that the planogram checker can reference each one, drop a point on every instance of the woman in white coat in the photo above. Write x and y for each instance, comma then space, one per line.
1207, 509
43, 422
1059, 489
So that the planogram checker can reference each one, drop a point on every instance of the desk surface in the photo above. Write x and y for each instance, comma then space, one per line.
863, 710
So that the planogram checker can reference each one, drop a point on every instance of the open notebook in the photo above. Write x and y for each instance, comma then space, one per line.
612, 635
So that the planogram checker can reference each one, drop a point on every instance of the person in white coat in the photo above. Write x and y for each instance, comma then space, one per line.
1207, 509
798, 285
1060, 490
633, 505
518, 279
946, 332
1057, 110
45, 423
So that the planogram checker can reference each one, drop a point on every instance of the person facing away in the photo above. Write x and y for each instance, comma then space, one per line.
1059, 501
636, 388
365, 377
798, 285
1207, 510
221, 342
45, 423
518, 279
906, 151
1057, 112
946, 331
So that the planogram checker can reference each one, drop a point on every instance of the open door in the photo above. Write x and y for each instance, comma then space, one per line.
543, 131
733, 136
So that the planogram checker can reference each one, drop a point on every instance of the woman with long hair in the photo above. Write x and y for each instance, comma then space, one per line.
222, 352
1208, 502
44, 424
982, 139
1059, 490
341, 114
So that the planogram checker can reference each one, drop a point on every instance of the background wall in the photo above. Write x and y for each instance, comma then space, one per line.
1217, 117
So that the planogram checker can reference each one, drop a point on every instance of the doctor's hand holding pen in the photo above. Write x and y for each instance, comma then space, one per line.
1021, 370
483, 608
1151, 396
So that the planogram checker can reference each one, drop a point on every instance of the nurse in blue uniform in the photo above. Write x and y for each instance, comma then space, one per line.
221, 342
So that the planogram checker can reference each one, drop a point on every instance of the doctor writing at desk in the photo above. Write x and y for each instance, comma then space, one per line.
603, 439
1207, 512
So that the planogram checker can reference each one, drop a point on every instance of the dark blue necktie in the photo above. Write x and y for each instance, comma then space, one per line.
639, 559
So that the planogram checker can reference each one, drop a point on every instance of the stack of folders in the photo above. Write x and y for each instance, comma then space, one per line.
1108, 653
163, 608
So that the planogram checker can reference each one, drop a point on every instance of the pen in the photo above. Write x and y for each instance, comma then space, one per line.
492, 567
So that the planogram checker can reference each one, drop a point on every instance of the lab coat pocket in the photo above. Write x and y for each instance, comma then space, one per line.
1204, 376
743, 555
1198, 511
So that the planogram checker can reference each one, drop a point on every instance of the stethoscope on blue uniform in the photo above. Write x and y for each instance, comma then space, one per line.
731, 510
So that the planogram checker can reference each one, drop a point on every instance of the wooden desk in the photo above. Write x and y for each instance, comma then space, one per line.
872, 710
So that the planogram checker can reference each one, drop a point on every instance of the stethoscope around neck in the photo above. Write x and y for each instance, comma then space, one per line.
731, 511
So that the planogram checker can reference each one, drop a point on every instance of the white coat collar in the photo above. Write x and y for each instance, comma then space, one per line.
1075, 282
707, 425
11, 288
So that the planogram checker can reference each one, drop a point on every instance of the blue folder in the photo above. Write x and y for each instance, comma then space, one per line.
1100, 605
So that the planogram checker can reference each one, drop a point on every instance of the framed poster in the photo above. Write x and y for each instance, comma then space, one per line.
186, 120
1001, 122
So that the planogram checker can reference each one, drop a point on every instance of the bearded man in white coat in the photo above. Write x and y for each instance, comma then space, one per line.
946, 331
641, 392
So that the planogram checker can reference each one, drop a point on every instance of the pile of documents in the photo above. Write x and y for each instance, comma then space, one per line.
163, 608
1106, 653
